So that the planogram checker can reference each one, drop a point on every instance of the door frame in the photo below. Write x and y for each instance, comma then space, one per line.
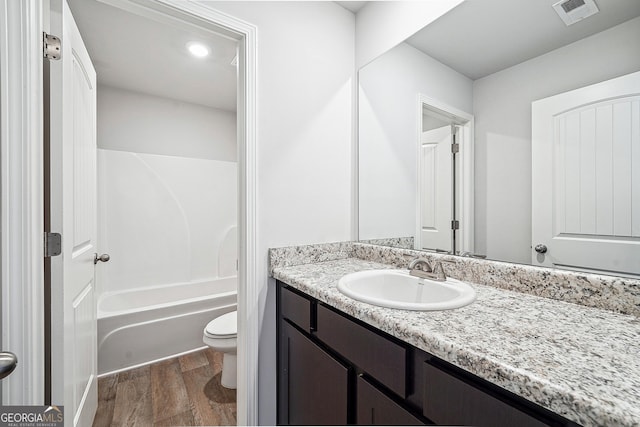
205, 15
21, 174
465, 199
22, 206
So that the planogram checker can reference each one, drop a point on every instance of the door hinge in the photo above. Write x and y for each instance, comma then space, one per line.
51, 46
455, 224
52, 244
455, 147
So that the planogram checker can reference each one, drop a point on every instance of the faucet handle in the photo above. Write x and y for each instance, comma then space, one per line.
420, 264
438, 270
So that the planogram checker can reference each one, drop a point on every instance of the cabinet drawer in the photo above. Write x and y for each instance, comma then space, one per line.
295, 308
375, 408
378, 356
450, 400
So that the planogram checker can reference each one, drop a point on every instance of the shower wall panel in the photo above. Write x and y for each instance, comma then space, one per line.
163, 219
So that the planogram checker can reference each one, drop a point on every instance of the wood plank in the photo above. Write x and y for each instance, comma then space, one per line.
182, 419
212, 404
193, 360
162, 394
222, 398
142, 371
169, 395
133, 403
107, 389
215, 359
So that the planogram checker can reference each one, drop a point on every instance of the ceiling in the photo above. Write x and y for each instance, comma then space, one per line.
353, 6
477, 38
481, 37
142, 55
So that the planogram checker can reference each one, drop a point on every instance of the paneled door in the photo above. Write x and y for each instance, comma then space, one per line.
73, 214
586, 178
436, 189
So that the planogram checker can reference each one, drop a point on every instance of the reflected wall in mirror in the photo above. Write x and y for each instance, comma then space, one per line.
491, 60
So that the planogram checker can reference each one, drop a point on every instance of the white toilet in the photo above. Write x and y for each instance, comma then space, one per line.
221, 335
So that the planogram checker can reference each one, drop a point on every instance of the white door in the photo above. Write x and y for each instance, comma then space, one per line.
73, 214
436, 189
586, 178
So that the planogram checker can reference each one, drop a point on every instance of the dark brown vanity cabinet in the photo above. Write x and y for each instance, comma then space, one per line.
449, 399
374, 407
316, 384
335, 370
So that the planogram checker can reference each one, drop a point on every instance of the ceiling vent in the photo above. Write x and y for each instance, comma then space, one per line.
572, 11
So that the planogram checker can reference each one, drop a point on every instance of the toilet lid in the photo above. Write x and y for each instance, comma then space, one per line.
223, 326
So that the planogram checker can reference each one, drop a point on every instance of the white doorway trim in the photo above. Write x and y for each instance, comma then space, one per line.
22, 214
206, 16
464, 198
21, 173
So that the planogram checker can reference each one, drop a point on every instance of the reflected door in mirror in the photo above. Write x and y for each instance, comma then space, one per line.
436, 189
586, 182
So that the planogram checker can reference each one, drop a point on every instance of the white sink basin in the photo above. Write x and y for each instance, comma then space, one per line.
397, 289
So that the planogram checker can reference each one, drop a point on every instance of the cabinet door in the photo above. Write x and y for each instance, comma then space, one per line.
315, 384
376, 408
450, 400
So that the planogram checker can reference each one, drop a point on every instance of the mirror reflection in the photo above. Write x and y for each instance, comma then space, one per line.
470, 79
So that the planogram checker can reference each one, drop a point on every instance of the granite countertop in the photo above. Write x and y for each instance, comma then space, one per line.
580, 362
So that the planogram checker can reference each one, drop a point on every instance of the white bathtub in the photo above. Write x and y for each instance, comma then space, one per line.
140, 326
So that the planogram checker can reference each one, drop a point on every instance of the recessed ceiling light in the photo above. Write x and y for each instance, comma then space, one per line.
198, 49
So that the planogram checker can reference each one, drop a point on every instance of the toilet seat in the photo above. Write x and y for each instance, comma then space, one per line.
225, 326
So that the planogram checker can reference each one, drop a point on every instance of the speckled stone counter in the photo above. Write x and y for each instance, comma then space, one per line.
621, 295
580, 362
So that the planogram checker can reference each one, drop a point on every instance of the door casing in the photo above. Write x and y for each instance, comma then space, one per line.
21, 137
465, 188
21, 198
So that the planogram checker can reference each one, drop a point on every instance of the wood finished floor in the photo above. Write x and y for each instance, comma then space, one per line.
183, 391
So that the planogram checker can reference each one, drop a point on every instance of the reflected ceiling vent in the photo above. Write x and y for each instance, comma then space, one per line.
572, 11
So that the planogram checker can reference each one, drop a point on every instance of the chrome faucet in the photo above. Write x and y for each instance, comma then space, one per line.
420, 267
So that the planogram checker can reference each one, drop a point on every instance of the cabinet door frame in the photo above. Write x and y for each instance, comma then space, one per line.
319, 366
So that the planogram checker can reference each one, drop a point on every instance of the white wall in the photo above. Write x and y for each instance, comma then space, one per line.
163, 219
502, 109
381, 25
167, 189
305, 101
131, 121
388, 132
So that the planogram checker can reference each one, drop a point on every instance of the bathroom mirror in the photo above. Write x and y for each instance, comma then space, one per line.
477, 70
